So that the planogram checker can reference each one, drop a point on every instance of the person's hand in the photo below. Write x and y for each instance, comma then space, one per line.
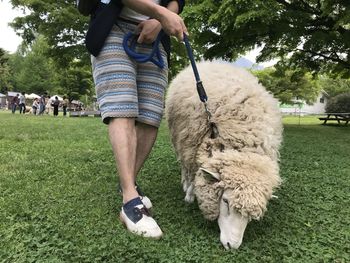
173, 24
149, 30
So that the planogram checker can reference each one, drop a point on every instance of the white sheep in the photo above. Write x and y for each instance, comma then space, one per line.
233, 175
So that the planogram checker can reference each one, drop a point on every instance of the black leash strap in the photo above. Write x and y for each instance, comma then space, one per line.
200, 89
214, 133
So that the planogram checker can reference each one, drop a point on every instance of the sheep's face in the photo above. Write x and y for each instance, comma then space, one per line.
235, 187
216, 203
232, 224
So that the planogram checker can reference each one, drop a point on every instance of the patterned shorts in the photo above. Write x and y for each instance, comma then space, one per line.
124, 87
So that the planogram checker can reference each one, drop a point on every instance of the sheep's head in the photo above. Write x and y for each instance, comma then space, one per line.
234, 187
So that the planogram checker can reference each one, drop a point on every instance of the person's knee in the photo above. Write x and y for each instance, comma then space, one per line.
146, 125
122, 121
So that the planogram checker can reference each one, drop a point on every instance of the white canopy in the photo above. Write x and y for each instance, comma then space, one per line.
2, 95
53, 97
76, 102
32, 96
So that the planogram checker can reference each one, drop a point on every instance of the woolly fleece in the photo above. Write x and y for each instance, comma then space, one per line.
245, 154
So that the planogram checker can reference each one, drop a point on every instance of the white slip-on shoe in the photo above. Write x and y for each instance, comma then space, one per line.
138, 220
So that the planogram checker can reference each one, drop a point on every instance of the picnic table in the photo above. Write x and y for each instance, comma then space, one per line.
339, 117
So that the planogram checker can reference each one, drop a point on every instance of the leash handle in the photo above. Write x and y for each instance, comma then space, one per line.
142, 58
200, 89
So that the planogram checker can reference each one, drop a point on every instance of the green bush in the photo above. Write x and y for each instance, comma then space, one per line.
339, 103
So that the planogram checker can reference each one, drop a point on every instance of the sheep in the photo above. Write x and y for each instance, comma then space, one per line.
233, 173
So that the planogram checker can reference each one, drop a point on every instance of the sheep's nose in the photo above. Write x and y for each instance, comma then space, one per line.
232, 245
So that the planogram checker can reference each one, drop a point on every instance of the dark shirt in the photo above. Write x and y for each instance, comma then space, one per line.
100, 20
15, 100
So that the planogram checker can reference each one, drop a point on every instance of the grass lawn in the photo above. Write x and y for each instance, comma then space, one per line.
59, 199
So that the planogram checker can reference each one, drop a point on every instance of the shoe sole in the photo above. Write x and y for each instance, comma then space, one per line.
136, 233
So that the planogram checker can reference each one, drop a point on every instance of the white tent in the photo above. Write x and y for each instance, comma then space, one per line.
53, 98
32, 96
77, 102
2, 95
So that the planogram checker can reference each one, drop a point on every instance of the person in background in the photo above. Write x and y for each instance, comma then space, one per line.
42, 104
55, 104
35, 106
14, 103
48, 104
22, 103
65, 105
131, 98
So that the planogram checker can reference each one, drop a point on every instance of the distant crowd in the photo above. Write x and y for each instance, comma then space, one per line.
41, 105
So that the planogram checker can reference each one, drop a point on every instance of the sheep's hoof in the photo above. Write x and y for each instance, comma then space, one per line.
189, 198
185, 186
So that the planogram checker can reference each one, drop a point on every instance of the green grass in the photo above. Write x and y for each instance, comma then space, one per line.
59, 203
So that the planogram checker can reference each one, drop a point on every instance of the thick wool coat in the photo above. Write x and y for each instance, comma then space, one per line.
245, 153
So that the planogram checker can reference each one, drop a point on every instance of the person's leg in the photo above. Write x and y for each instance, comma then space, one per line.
115, 82
151, 84
146, 136
122, 135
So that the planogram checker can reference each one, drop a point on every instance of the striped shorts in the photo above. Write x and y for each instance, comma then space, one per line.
124, 87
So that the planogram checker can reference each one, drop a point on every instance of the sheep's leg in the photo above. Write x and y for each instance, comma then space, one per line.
187, 184
184, 179
189, 198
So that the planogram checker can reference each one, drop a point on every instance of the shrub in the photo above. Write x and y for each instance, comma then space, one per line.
339, 103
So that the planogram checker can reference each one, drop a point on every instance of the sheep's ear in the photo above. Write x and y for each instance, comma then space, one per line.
211, 175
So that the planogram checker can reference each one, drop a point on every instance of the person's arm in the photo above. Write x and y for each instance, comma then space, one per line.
172, 23
149, 29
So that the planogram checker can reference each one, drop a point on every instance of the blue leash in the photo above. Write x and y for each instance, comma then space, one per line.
200, 89
142, 58
156, 57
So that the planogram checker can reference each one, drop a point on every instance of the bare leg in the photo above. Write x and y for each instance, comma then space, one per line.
131, 146
146, 136
122, 135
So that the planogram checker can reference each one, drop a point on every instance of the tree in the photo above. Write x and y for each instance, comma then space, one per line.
76, 80
288, 85
313, 34
59, 22
339, 104
32, 70
5, 84
333, 86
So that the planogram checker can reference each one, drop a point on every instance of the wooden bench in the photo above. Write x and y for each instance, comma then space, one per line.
339, 117
84, 113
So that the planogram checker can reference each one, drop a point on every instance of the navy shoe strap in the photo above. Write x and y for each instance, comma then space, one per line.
134, 210
132, 203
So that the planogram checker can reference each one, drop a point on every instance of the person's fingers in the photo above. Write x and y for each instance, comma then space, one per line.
184, 28
141, 38
139, 28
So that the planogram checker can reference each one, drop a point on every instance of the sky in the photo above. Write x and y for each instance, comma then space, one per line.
8, 38
10, 41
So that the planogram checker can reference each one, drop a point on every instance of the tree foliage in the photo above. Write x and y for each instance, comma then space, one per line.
313, 34
288, 85
339, 104
33, 70
60, 23
5, 74
333, 86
